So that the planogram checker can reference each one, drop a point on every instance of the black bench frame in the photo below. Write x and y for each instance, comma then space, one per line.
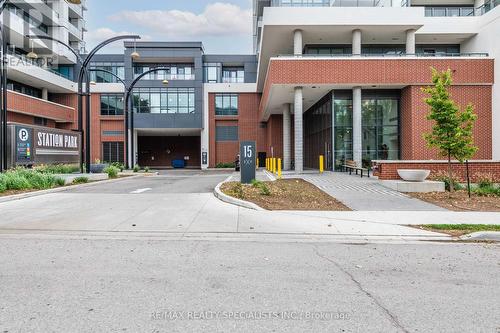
351, 168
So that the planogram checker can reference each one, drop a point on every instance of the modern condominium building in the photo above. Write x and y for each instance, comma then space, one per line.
340, 79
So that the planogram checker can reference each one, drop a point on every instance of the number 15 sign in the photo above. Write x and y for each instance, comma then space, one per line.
247, 161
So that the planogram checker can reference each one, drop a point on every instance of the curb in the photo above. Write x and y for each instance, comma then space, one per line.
26, 195
237, 202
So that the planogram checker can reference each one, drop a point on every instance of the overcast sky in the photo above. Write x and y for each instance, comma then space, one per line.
223, 26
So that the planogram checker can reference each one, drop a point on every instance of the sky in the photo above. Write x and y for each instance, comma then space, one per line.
224, 26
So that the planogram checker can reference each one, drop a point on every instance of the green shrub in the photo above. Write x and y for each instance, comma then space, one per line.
80, 180
238, 191
60, 181
487, 191
264, 189
442, 176
146, 169
16, 181
111, 171
58, 168
118, 165
137, 168
484, 180
225, 165
3, 185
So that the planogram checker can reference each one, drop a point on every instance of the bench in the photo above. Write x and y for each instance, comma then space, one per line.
351, 166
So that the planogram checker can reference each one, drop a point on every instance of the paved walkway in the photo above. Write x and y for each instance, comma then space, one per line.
365, 194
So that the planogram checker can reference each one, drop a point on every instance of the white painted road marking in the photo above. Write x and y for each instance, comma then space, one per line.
141, 190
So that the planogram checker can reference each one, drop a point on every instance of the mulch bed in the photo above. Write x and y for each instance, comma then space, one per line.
459, 201
286, 194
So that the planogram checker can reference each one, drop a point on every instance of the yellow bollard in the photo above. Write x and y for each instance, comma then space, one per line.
274, 165
256, 163
267, 163
321, 164
279, 167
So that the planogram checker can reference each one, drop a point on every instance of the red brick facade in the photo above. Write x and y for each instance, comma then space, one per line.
386, 171
249, 128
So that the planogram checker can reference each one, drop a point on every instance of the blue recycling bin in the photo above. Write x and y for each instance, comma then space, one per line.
178, 164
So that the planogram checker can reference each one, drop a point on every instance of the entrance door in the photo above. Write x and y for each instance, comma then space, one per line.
262, 159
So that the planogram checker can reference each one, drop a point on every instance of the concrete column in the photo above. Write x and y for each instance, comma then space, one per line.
299, 145
287, 147
357, 135
356, 42
45, 94
410, 41
297, 42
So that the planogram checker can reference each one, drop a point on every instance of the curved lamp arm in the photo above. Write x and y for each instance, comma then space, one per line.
77, 55
137, 79
110, 73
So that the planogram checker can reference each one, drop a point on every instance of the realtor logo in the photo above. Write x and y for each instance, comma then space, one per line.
24, 134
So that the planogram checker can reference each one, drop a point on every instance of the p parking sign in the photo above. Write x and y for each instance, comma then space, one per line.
247, 161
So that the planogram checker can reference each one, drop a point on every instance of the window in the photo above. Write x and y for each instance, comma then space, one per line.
112, 152
226, 104
117, 68
212, 72
233, 75
172, 71
24, 89
40, 121
111, 105
226, 133
164, 100
112, 133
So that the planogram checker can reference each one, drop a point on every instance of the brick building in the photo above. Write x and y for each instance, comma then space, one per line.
326, 78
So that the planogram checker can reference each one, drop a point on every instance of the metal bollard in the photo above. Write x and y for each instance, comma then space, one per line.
279, 167
321, 163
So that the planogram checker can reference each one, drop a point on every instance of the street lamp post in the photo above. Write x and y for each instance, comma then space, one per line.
81, 77
126, 109
3, 83
127, 95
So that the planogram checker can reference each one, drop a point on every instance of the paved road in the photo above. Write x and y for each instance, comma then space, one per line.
105, 285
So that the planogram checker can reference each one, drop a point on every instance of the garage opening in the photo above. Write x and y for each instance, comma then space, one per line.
163, 152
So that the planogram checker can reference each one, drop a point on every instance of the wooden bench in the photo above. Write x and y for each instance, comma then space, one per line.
351, 166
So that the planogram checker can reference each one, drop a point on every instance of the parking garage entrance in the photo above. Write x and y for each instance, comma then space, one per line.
163, 152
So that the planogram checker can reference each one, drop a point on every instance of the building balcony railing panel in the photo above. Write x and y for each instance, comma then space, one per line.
37, 107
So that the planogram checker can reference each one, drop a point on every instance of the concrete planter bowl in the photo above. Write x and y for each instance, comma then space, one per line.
414, 175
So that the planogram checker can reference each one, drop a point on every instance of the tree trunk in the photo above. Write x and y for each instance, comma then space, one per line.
450, 176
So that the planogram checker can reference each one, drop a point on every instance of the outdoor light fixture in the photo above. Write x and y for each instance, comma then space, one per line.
32, 55
92, 83
135, 55
75, 2
165, 82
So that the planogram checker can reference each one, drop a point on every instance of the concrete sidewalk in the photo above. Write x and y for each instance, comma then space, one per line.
203, 213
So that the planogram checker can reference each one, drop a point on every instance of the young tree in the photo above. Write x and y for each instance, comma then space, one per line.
452, 130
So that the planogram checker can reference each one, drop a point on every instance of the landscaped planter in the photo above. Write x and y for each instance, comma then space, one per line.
98, 168
413, 175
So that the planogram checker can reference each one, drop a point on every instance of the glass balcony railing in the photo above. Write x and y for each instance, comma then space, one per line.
387, 55
326, 3
25, 61
449, 11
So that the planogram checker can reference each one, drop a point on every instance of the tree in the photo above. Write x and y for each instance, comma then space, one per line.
452, 130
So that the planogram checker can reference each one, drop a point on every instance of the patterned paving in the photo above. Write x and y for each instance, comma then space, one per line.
364, 194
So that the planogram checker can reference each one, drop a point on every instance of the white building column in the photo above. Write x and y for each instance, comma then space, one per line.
298, 127
356, 42
297, 42
357, 135
410, 41
287, 130
136, 152
45, 94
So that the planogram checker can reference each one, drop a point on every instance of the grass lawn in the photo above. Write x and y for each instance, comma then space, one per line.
460, 229
284, 194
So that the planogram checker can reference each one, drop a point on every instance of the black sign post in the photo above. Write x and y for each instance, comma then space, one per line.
247, 161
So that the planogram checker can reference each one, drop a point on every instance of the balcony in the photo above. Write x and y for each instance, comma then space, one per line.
388, 55
327, 3
25, 104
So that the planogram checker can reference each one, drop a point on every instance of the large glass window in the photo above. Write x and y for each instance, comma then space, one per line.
111, 104
172, 71
380, 121
233, 75
226, 104
212, 72
343, 131
164, 100
113, 152
117, 68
